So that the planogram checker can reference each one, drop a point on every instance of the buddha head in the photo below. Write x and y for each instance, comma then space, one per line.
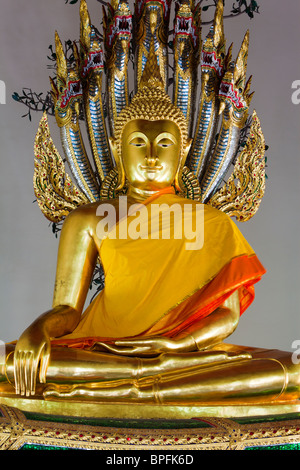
151, 143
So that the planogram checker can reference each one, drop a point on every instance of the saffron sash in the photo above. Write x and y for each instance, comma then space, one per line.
155, 285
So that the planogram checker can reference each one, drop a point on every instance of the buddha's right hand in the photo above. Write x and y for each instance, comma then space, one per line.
32, 353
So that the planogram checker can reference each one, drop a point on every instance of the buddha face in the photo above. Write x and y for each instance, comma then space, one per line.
150, 154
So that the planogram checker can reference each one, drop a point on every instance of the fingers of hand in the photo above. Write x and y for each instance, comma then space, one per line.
107, 347
44, 363
128, 349
119, 350
25, 370
130, 343
17, 373
137, 351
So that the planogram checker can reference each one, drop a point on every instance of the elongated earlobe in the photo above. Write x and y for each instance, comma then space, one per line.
186, 150
183, 158
115, 153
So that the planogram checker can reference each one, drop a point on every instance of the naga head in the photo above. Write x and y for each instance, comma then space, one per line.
67, 91
117, 25
91, 53
234, 92
164, 6
156, 14
187, 29
214, 47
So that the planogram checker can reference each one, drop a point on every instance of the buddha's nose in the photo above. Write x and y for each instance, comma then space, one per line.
151, 157
151, 162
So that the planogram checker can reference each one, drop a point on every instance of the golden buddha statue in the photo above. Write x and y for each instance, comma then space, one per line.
178, 272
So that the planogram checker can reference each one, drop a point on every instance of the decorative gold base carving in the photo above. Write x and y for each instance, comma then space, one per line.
26, 430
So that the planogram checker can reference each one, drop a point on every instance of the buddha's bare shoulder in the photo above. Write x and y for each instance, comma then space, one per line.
89, 211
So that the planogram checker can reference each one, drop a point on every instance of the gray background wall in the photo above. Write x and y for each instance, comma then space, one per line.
27, 245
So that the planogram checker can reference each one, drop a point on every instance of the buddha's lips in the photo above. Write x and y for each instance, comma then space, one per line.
74, 89
151, 168
94, 61
227, 90
210, 60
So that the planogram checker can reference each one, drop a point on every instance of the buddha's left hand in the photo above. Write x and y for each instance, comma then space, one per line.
145, 346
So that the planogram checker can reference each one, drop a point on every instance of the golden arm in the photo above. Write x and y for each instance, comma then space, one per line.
77, 256
204, 334
214, 328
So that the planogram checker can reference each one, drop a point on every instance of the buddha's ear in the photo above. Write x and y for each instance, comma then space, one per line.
186, 150
114, 147
183, 158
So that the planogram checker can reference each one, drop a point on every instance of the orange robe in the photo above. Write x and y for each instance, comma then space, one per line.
157, 284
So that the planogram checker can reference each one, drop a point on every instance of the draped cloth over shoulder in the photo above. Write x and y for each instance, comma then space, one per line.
157, 284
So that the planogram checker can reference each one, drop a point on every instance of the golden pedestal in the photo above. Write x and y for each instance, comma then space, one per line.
36, 431
38, 423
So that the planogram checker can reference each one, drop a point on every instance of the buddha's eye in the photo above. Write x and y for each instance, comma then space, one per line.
137, 142
165, 143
